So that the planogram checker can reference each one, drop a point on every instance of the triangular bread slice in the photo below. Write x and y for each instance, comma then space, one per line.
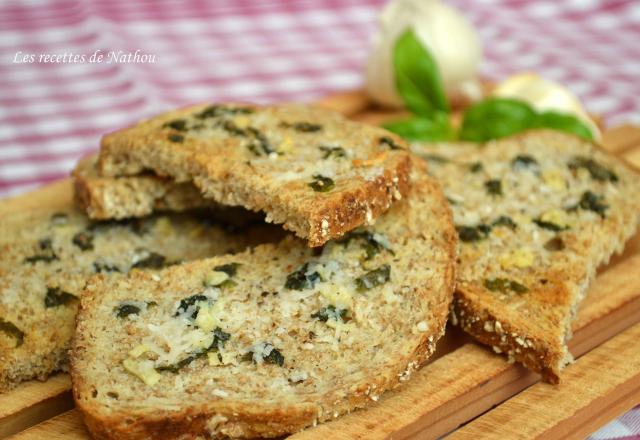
104, 198
47, 256
537, 213
309, 168
272, 340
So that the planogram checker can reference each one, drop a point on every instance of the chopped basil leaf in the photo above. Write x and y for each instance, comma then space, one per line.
523, 162
191, 301
374, 278
125, 310
322, 183
386, 140
503, 285
503, 220
596, 170
176, 124
473, 233
494, 187
84, 240
304, 127
10, 329
57, 297
330, 312
336, 152
302, 279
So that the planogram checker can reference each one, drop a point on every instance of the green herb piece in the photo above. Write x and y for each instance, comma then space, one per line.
554, 244
84, 240
550, 225
596, 170
230, 269
304, 127
152, 261
330, 312
59, 218
261, 141
302, 279
274, 357
47, 255
421, 128
435, 158
524, 162
373, 243
124, 310
177, 138
190, 301
504, 220
336, 152
374, 278
386, 140
99, 267
494, 118
56, 297
417, 77
214, 111
10, 329
593, 202
493, 187
504, 285
476, 167
473, 233
176, 124
564, 122
322, 183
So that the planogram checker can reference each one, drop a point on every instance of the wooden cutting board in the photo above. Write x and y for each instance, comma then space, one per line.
463, 382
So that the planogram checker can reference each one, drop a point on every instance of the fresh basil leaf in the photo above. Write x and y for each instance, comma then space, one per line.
564, 122
494, 118
419, 128
417, 77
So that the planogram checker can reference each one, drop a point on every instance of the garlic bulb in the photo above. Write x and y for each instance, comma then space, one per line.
545, 95
445, 33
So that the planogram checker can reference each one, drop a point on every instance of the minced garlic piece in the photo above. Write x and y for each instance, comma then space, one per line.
521, 258
557, 217
554, 180
145, 370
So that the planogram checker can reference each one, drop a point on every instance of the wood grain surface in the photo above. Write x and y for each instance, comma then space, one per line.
463, 381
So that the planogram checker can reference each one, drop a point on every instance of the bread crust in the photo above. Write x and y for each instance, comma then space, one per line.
369, 166
220, 418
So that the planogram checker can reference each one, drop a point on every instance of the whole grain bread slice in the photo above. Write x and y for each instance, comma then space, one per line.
104, 198
46, 258
306, 167
269, 341
536, 213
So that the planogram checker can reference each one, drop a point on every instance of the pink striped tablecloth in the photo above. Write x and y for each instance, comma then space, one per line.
54, 110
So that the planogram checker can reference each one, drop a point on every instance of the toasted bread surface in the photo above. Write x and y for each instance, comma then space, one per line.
288, 338
536, 213
308, 168
46, 258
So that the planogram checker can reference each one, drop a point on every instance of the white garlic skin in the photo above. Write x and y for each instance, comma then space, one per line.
443, 31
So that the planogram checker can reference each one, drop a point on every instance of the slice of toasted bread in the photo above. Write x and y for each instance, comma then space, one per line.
306, 167
105, 198
537, 213
272, 340
46, 258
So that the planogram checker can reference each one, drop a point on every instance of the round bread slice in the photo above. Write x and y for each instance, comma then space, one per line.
269, 341
308, 168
